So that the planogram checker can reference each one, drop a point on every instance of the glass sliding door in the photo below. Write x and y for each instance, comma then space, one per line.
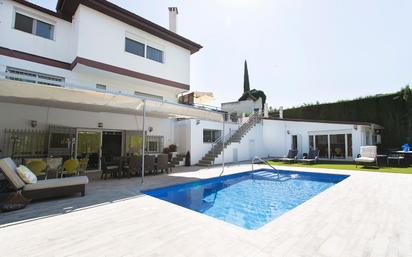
89, 145
332, 146
321, 142
311, 142
133, 143
337, 146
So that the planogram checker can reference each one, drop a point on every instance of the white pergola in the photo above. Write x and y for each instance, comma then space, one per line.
77, 98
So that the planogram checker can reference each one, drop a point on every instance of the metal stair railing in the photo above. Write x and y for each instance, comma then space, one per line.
218, 144
265, 162
253, 119
220, 141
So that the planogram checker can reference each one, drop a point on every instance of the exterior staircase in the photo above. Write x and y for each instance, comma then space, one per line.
232, 137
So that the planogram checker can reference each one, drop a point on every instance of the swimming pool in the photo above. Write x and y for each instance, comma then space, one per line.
248, 199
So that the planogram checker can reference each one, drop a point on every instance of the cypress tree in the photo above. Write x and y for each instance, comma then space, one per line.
246, 86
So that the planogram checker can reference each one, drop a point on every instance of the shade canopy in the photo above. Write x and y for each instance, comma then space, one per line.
19, 92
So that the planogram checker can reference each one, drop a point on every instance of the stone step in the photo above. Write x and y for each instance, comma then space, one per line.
205, 163
209, 158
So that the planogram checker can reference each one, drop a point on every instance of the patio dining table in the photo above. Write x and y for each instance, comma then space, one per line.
123, 162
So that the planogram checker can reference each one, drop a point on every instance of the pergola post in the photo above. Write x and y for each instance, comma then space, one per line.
223, 144
143, 136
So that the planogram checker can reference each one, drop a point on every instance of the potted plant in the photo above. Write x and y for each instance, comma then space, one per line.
173, 150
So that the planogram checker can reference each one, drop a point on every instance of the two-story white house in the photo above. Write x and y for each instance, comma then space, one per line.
81, 74
79, 80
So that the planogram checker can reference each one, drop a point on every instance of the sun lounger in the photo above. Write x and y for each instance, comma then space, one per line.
312, 157
368, 156
44, 188
291, 157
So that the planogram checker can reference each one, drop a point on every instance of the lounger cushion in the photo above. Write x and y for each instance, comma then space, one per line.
365, 159
287, 159
368, 151
26, 175
307, 160
56, 183
8, 167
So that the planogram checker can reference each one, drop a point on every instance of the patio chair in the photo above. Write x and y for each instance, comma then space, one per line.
368, 156
83, 163
312, 157
107, 169
162, 163
38, 167
133, 167
149, 164
43, 188
70, 168
291, 157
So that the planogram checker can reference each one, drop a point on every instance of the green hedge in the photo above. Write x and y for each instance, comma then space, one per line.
392, 111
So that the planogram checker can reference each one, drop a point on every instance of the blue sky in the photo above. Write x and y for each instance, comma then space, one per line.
298, 51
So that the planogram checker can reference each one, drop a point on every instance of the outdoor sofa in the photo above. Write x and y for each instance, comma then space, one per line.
368, 156
43, 188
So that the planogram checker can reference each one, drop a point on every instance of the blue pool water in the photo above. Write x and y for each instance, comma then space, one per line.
248, 199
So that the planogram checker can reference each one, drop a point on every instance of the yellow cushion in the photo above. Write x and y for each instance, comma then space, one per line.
38, 167
26, 175
71, 166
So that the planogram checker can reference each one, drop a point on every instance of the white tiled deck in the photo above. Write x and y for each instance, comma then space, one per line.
368, 214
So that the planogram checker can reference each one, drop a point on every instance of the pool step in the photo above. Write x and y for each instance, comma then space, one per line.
272, 175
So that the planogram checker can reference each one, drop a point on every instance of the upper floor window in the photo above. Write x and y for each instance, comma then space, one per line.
33, 26
134, 47
101, 87
140, 49
154, 54
34, 77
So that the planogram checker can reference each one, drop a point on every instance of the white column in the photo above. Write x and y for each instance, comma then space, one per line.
143, 136
346, 146
223, 144
328, 146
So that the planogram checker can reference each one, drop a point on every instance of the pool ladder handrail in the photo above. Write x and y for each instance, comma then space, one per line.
265, 162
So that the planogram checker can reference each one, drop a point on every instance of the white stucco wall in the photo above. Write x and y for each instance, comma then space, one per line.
251, 145
246, 106
197, 148
102, 38
96, 36
60, 48
278, 135
182, 136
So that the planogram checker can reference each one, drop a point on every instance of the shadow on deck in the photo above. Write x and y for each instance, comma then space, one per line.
98, 193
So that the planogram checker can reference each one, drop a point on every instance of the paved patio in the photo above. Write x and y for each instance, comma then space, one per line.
368, 214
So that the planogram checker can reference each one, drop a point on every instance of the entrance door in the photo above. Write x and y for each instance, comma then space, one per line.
89, 145
294, 145
111, 145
